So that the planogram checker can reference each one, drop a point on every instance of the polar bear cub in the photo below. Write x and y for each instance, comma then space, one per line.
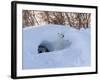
59, 43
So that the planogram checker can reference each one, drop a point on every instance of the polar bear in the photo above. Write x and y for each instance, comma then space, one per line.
47, 46
59, 43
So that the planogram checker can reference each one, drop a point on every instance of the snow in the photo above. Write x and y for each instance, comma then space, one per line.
73, 50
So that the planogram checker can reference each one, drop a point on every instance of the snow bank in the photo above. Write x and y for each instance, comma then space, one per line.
75, 53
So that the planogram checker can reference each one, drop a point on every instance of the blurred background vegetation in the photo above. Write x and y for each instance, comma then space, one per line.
76, 20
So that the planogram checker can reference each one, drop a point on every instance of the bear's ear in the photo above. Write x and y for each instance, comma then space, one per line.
60, 33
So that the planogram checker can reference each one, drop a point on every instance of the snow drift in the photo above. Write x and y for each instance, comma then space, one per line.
73, 50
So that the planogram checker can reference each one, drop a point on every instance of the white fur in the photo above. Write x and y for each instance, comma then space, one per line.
59, 43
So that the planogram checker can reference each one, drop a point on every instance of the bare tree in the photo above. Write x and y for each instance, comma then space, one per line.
76, 20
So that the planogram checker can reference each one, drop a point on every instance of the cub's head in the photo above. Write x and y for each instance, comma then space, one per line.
60, 35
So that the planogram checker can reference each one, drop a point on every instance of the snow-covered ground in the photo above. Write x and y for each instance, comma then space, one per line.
73, 50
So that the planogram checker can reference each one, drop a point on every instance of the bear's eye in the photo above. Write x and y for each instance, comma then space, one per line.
62, 35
